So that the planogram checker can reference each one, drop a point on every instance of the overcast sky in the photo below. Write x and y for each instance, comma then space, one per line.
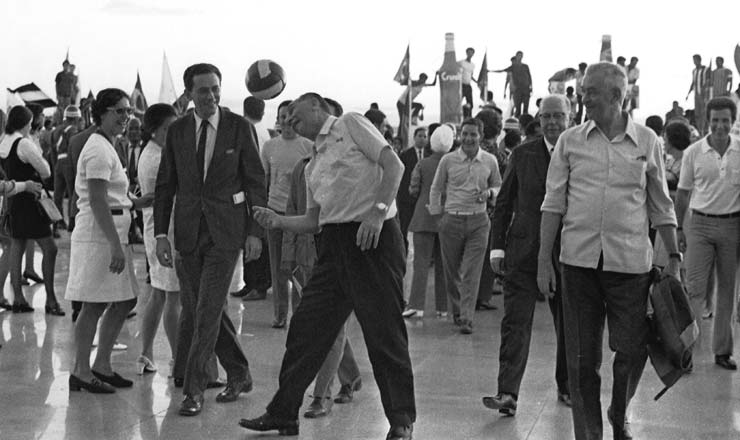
350, 50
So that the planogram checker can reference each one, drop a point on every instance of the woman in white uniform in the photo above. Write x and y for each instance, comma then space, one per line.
164, 282
100, 270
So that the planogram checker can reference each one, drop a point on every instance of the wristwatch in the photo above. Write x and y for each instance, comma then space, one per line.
676, 255
381, 206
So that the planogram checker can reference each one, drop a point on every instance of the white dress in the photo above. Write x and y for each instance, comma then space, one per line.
163, 278
90, 279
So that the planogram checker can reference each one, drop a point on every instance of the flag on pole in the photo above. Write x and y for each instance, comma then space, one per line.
606, 48
137, 98
402, 76
167, 91
31, 93
483, 78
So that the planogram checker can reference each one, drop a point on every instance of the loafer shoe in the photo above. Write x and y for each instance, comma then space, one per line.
319, 407
504, 403
192, 405
347, 391
400, 432
114, 379
466, 328
232, 391
266, 422
725, 362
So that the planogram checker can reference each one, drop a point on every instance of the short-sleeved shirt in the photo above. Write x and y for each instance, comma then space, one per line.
720, 78
714, 180
99, 160
608, 192
343, 177
468, 70
461, 179
279, 156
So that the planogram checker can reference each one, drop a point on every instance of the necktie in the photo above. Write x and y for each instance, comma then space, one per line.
132, 164
419, 153
200, 154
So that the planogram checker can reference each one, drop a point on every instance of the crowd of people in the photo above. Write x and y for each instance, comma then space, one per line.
325, 208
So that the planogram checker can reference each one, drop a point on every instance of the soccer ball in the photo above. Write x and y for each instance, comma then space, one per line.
265, 79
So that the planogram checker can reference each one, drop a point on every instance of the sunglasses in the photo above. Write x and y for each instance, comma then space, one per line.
128, 111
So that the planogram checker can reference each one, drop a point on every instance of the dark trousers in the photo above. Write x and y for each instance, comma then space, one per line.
487, 275
345, 279
257, 273
64, 178
589, 296
205, 275
405, 214
467, 93
521, 103
520, 298
579, 107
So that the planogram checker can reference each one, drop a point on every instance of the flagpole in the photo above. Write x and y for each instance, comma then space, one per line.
410, 101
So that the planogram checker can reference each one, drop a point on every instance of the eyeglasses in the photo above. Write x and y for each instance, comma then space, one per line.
128, 111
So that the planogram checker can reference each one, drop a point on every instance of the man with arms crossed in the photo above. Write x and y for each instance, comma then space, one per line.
521, 197
606, 182
351, 183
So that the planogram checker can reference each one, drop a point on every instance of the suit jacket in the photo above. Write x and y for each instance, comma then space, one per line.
409, 159
421, 182
516, 216
234, 169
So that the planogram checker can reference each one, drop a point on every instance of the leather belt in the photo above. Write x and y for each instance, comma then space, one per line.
731, 215
465, 212
116, 211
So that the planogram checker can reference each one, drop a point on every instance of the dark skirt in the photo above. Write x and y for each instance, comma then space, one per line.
27, 219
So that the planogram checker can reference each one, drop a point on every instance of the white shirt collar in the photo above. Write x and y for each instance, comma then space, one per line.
213, 120
550, 146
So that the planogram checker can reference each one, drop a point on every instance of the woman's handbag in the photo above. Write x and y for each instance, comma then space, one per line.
49, 208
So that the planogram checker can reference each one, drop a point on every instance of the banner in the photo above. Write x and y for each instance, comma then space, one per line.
483, 78
31, 93
167, 90
138, 100
402, 75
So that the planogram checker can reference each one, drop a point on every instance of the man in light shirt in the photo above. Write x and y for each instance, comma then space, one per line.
468, 70
469, 177
606, 183
710, 174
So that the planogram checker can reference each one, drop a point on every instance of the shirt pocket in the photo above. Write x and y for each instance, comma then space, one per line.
631, 168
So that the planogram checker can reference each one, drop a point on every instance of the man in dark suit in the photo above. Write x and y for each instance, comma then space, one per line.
212, 166
406, 202
514, 247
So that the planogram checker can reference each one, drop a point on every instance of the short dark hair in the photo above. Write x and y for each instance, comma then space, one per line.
512, 139
375, 116
38, 115
474, 121
323, 105
284, 104
525, 119
18, 117
419, 130
531, 128
720, 59
678, 134
337, 107
199, 69
254, 108
491, 123
721, 103
48, 123
154, 117
105, 98
655, 123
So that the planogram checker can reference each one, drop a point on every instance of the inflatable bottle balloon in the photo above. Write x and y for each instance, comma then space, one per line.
606, 48
450, 85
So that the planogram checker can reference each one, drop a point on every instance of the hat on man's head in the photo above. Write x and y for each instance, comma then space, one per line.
511, 124
72, 111
442, 139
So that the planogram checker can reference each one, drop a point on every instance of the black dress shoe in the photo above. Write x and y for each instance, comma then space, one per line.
33, 277
347, 391
255, 295
240, 293
266, 422
4, 304
233, 389
400, 432
114, 379
319, 407
94, 386
215, 384
504, 403
192, 405
625, 432
22, 308
725, 362
54, 310
485, 305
